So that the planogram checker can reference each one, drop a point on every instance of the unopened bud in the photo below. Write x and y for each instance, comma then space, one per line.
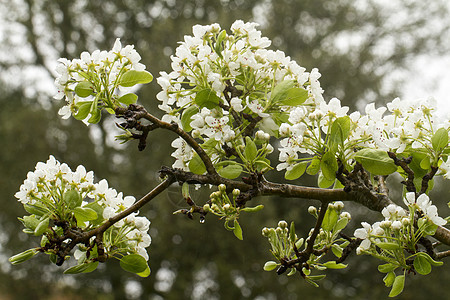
236, 192
283, 224
222, 187
196, 133
406, 221
206, 208
265, 231
339, 205
312, 210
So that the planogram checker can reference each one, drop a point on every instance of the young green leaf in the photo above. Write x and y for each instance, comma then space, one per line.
341, 223
389, 279
422, 265
296, 171
185, 190
376, 161
30, 222
133, 77
207, 98
186, 117
82, 268
439, 140
250, 149
285, 93
145, 273
329, 166
128, 99
314, 167
388, 246
84, 214
430, 260
270, 265
386, 268
72, 198
337, 250
340, 129
84, 89
231, 171
196, 165
330, 219
333, 265
133, 263
95, 116
83, 109
23, 256
42, 227
252, 209
397, 286
324, 183
35, 209
237, 230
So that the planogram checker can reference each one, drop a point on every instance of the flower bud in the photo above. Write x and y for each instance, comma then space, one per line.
283, 224
222, 188
196, 133
284, 129
269, 148
396, 225
346, 214
259, 135
279, 230
265, 231
406, 221
312, 210
236, 192
339, 205
206, 208
385, 224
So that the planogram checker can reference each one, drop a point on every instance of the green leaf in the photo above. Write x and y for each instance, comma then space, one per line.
341, 223
72, 198
133, 77
270, 265
340, 129
84, 214
389, 279
430, 260
333, 265
329, 166
422, 265
388, 246
82, 268
128, 99
98, 209
196, 165
252, 209
285, 93
231, 171
314, 167
439, 140
83, 109
185, 190
30, 222
330, 219
133, 263
144, 274
218, 48
296, 171
207, 98
237, 230
397, 286
23, 256
96, 115
386, 268
337, 250
292, 232
35, 209
322, 182
250, 149
376, 161
186, 117
84, 89
42, 227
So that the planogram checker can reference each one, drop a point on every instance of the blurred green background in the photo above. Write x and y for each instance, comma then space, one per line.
362, 48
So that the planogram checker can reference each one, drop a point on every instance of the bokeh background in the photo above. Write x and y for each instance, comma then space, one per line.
367, 51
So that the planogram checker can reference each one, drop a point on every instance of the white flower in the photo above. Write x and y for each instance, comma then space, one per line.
257, 108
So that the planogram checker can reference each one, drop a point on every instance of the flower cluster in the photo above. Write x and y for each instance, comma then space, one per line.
222, 82
58, 198
90, 83
398, 225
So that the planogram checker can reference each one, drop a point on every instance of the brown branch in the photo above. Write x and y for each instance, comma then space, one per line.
403, 163
426, 178
138, 112
443, 254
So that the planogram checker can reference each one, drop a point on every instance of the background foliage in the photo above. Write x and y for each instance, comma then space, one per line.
360, 47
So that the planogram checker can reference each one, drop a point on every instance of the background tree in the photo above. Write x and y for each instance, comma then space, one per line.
47, 30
